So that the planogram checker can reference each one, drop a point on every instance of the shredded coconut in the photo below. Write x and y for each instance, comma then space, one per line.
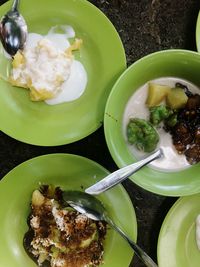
35, 222
59, 219
57, 262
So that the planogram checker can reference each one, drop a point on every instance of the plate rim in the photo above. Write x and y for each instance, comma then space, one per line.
197, 32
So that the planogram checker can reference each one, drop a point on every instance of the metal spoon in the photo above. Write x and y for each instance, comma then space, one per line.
13, 30
121, 174
94, 209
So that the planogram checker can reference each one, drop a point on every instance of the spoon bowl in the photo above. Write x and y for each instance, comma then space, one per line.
13, 30
94, 209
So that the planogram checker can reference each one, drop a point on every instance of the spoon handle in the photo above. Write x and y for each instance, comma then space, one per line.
15, 5
121, 174
138, 251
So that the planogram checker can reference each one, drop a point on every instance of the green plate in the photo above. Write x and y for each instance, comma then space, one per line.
177, 241
68, 172
103, 56
170, 63
198, 33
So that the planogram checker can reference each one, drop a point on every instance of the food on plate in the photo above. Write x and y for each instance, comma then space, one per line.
142, 134
198, 231
172, 107
47, 67
59, 235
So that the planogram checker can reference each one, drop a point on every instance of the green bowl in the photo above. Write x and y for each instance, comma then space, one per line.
103, 57
198, 33
70, 172
177, 236
169, 63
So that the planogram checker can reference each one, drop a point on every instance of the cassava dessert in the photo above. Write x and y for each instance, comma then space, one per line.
165, 113
48, 68
60, 236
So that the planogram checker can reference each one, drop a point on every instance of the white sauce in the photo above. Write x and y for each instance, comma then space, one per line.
136, 108
198, 231
50, 63
73, 87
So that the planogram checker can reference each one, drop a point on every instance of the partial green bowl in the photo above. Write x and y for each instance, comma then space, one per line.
198, 33
177, 236
169, 63
103, 57
70, 172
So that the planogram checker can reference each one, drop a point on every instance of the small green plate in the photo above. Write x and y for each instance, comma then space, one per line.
169, 63
198, 33
177, 241
103, 56
68, 172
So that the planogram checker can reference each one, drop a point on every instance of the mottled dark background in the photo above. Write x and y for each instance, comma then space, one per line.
145, 26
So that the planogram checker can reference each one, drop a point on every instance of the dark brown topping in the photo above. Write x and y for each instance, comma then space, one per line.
193, 102
67, 236
186, 133
193, 154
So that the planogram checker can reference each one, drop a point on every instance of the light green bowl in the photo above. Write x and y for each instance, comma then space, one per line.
174, 63
103, 57
70, 172
198, 33
177, 236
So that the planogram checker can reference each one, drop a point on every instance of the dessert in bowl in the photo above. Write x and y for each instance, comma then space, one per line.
132, 98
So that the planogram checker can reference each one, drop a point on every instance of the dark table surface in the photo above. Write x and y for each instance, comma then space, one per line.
145, 26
